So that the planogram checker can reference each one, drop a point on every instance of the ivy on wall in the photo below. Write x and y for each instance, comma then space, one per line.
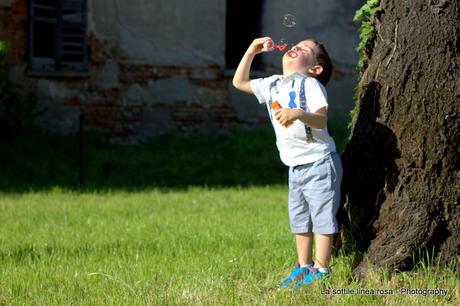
365, 16
19, 104
366, 30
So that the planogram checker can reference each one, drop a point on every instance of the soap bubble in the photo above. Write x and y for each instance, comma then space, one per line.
283, 41
289, 20
282, 44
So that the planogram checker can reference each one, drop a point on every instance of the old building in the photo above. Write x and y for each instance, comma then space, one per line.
136, 69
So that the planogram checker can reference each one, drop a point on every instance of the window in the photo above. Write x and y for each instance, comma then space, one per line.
243, 25
57, 35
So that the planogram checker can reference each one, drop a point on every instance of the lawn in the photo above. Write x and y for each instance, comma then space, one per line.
193, 220
241, 158
193, 246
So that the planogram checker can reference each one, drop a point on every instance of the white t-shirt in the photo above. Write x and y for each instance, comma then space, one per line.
298, 144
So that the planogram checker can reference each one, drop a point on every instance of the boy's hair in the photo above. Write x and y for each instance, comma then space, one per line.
323, 59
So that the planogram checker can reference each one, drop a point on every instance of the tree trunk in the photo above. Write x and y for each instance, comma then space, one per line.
401, 166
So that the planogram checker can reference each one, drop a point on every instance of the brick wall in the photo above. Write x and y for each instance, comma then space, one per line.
150, 74
122, 97
13, 28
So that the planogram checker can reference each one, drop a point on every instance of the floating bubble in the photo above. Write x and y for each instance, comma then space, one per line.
281, 47
282, 44
289, 20
283, 41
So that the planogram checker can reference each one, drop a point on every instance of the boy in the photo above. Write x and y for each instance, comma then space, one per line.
300, 125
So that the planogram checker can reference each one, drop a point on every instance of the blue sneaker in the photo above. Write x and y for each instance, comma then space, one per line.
297, 275
313, 275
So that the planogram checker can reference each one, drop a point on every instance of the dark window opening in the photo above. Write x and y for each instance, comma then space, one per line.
44, 39
243, 24
57, 40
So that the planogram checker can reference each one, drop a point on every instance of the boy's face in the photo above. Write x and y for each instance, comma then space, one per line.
301, 58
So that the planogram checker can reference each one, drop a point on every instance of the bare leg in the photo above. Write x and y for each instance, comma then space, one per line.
323, 249
304, 244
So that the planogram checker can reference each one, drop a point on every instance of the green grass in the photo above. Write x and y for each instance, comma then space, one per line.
241, 158
177, 221
192, 246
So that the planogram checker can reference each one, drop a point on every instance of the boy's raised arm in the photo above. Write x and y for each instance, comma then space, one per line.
241, 77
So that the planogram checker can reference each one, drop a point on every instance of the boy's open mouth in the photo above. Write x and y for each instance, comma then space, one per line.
292, 54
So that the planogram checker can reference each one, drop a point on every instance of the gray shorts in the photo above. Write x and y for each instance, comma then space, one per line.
314, 195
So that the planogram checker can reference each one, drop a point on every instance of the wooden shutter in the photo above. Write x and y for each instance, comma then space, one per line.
72, 35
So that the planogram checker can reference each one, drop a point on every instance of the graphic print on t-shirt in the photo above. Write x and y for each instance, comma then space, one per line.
292, 95
303, 106
292, 100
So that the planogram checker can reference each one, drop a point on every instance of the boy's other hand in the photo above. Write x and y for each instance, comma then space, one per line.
284, 115
257, 46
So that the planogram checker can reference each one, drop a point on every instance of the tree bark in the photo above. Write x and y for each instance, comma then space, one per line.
401, 166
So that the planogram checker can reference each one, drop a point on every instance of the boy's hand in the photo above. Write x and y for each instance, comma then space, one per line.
284, 115
257, 46
241, 78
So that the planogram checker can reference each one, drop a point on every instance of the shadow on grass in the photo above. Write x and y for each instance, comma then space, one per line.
241, 158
